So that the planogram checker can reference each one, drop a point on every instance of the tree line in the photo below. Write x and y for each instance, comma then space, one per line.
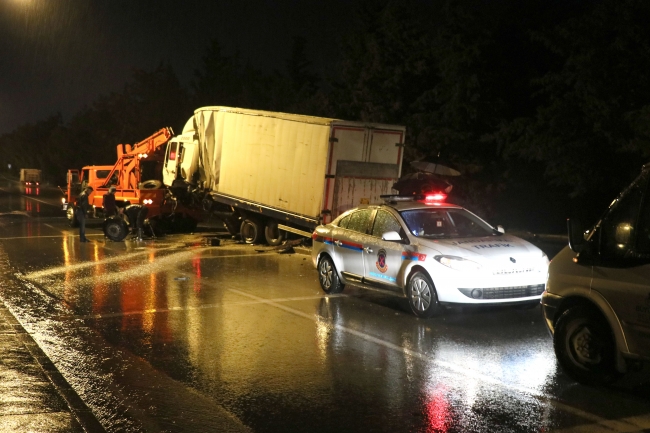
543, 105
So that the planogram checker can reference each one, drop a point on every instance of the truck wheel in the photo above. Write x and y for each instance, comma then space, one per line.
584, 346
251, 231
422, 296
273, 235
328, 277
115, 229
72, 218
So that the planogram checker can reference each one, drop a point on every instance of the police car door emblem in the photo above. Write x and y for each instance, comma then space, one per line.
381, 261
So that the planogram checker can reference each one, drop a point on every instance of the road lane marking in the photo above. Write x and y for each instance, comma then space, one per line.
136, 271
65, 234
84, 265
160, 264
202, 307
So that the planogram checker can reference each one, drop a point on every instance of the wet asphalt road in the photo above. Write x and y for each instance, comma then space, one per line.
175, 335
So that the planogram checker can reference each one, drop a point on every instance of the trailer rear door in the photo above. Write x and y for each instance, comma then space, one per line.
365, 161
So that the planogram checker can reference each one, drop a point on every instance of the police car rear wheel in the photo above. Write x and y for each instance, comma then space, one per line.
584, 346
422, 296
328, 277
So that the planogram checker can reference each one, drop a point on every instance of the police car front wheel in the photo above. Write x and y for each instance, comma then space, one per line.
422, 296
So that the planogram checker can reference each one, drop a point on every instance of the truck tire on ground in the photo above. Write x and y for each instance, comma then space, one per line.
584, 346
72, 218
151, 184
251, 231
273, 235
115, 229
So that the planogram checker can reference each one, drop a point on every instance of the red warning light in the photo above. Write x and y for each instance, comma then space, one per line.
435, 197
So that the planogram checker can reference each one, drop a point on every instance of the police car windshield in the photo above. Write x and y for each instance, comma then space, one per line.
445, 223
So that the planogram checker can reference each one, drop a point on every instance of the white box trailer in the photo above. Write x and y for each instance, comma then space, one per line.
273, 168
30, 176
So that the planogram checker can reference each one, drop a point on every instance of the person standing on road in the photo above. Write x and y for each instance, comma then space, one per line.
81, 211
110, 208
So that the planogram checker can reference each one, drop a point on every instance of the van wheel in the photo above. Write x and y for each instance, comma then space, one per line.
115, 229
72, 218
422, 296
584, 346
251, 231
273, 235
328, 277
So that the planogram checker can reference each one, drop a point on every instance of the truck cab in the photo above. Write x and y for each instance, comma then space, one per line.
181, 160
597, 299
95, 176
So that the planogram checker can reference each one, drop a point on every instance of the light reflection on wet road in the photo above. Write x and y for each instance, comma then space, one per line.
173, 335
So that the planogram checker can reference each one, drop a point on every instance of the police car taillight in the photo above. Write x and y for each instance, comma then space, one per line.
436, 197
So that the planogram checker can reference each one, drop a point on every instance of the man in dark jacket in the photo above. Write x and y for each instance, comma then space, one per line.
81, 211
110, 208
136, 214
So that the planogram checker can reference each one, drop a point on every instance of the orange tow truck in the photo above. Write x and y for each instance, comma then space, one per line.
137, 177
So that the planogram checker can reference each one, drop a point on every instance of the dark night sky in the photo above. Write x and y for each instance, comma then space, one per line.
59, 55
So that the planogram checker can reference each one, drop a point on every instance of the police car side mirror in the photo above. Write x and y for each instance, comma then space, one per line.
576, 236
391, 236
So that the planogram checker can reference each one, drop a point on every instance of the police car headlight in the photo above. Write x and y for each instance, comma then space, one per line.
458, 263
543, 263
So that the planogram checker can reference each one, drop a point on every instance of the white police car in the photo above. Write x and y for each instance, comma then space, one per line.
430, 252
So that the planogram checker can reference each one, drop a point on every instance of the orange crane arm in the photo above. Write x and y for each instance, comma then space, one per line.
147, 146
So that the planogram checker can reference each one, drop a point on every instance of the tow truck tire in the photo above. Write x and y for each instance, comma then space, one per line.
115, 229
328, 277
422, 296
251, 231
273, 235
584, 346
151, 184
72, 218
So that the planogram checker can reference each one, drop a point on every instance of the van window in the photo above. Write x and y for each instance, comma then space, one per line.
619, 227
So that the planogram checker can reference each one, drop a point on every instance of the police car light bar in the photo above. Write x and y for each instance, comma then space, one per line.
435, 197
432, 197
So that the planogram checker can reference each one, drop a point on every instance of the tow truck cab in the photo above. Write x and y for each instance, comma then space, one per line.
597, 299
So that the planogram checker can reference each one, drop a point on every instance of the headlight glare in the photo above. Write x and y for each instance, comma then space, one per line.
458, 263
